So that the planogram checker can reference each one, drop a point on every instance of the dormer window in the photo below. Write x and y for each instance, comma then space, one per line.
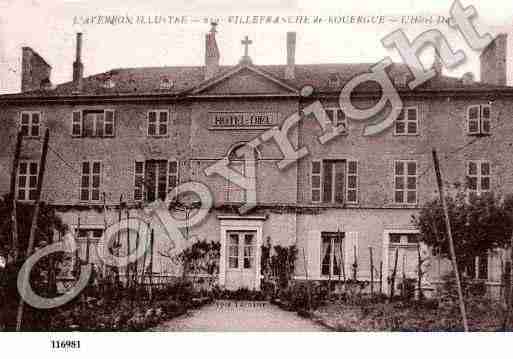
333, 80
108, 83
478, 119
165, 84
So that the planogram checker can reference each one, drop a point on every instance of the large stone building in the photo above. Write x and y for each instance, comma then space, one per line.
136, 133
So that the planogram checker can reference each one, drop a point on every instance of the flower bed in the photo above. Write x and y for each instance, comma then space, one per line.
483, 315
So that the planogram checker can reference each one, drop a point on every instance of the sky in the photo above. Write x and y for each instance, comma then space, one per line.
49, 27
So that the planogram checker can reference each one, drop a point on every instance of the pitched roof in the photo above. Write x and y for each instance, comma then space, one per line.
325, 78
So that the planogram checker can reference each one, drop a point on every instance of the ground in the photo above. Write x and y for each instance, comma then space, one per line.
240, 316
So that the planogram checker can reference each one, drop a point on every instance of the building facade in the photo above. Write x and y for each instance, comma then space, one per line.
133, 135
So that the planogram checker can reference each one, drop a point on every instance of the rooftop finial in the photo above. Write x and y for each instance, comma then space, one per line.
246, 42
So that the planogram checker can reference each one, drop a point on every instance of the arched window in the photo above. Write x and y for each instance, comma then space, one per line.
237, 162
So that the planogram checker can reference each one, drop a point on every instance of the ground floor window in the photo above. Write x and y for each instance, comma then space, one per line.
331, 253
476, 267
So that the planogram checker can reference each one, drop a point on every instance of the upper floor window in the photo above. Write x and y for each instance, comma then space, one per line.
334, 181
90, 181
154, 179
237, 163
478, 177
407, 123
93, 123
405, 182
27, 180
478, 119
158, 122
337, 117
30, 123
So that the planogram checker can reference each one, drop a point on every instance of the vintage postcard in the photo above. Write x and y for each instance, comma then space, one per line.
288, 166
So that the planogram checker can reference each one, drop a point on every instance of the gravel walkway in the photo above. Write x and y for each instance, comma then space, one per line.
239, 316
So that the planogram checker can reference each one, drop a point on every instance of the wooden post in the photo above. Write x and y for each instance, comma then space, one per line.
371, 272
394, 273
117, 245
33, 227
355, 264
309, 293
380, 277
419, 271
14, 217
128, 284
451, 243
77, 256
152, 239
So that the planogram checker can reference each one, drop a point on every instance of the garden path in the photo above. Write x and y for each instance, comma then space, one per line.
226, 315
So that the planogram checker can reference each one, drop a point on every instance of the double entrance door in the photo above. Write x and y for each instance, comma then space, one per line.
240, 260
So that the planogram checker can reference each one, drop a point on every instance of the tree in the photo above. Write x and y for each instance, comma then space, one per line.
478, 224
48, 221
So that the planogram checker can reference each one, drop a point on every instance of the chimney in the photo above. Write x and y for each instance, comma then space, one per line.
34, 70
78, 67
437, 59
211, 53
493, 61
291, 56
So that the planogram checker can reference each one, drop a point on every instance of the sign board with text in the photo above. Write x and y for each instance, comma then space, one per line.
242, 120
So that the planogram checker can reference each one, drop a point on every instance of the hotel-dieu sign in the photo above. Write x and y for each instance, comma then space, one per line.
242, 120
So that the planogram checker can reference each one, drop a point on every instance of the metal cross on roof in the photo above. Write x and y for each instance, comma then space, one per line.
246, 42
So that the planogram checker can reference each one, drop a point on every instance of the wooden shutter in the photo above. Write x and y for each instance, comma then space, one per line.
473, 114
486, 111
313, 255
315, 178
76, 123
352, 182
351, 242
109, 123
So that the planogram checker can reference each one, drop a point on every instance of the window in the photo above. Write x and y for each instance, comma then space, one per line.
407, 123
27, 180
158, 122
165, 84
337, 117
93, 123
248, 251
478, 177
404, 238
476, 267
237, 162
478, 119
405, 182
334, 181
403, 245
241, 249
233, 251
30, 124
154, 179
91, 233
91, 179
331, 252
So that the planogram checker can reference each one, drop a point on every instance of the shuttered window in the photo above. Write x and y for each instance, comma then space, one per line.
154, 179
334, 181
478, 119
93, 123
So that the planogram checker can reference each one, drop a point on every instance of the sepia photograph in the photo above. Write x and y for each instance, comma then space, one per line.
258, 167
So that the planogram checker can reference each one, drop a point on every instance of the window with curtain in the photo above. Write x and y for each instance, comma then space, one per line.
331, 253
